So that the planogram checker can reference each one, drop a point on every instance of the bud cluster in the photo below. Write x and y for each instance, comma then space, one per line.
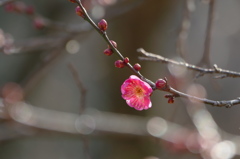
102, 26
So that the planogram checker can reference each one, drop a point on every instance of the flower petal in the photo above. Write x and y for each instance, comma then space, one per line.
139, 103
134, 77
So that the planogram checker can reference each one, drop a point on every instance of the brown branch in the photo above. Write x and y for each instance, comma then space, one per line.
215, 70
222, 103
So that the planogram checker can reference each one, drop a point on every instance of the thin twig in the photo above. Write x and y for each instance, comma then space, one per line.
80, 86
184, 29
106, 38
223, 103
39, 72
206, 54
215, 70
176, 93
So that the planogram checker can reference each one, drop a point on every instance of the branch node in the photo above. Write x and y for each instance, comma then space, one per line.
216, 68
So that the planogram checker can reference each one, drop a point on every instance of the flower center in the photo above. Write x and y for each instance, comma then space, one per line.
139, 91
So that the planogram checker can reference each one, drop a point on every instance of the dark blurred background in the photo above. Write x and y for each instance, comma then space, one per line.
151, 24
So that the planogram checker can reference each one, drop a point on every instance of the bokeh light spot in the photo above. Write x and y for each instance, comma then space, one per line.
85, 124
72, 47
157, 126
98, 12
223, 150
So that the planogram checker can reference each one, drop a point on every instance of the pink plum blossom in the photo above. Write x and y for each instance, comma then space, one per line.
136, 93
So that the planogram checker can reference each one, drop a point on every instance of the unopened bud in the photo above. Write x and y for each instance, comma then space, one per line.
29, 10
119, 64
126, 60
137, 67
39, 23
108, 52
171, 100
79, 11
103, 25
73, 1
161, 84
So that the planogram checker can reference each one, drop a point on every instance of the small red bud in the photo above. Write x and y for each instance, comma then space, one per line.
38, 23
73, 1
18, 7
108, 52
10, 7
160, 84
29, 10
171, 100
119, 64
137, 67
103, 25
113, 43
79, 11
126, 60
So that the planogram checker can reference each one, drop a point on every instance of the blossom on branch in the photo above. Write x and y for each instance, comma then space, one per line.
137, 93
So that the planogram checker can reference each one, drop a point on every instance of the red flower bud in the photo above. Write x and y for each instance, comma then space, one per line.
108, 52
39, 23
103, 25
18, 7
29, 10
119, 64
10, 7
137, 67
79, 11
126, 60
171, 100
73, 1
160, 84
114, 44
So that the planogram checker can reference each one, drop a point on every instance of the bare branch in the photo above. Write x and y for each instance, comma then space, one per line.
223, 103
215, 70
